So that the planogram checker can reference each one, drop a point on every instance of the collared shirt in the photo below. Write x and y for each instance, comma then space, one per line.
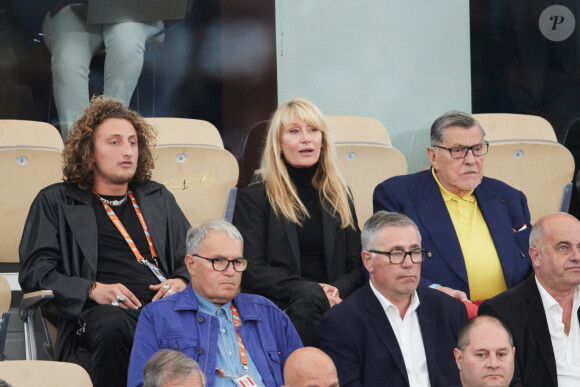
228, 356
408, 333
484, 270
566, 347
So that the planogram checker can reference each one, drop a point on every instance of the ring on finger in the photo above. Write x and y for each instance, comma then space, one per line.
165, 286
115, 303
170, 291
120, 297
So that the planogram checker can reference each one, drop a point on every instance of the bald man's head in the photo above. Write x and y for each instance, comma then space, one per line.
310, 367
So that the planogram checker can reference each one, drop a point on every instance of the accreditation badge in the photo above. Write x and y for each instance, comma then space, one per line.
244, 380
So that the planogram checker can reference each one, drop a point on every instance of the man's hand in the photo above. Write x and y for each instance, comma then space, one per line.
106, 294
331, 293
168, 287
461, 296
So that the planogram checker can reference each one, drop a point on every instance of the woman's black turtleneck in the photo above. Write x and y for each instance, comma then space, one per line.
310, 238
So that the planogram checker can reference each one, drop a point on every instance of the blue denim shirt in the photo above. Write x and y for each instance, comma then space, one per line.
177, 322
228, 359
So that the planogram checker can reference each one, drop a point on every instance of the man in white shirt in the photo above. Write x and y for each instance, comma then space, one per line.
485, 353
390, 332
542, 312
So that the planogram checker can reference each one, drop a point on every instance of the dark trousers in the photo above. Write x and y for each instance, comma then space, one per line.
305, 311
108, 337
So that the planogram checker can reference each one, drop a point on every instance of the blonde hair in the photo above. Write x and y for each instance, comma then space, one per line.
328, 181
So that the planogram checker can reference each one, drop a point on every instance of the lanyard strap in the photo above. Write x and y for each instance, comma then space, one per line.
237, 323
117, 222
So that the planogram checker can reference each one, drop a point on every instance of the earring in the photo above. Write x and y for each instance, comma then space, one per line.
281, 153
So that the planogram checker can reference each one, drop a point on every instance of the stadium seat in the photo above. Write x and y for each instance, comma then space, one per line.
185, 131
24, 171
504, 126
200, 177
19, 133
34, 373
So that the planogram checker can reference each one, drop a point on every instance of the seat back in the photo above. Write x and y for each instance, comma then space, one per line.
5, 296
504, 126
18, 133
351, 129
185, 131
23, 173
540, 169
252, 149
363, 167
200, 177
34, 373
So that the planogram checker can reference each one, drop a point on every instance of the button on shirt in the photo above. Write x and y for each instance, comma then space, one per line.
566, 347
408, 333
228, 356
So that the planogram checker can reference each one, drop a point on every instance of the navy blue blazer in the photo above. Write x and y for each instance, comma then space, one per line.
358, 337
521, 308
504, 209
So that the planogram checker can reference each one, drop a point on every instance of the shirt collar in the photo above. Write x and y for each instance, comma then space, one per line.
549, 302
386, 304
448, 195
210, 308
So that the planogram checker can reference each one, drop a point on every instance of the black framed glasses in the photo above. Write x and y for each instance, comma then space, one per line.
397, 256
222, 264
460, 152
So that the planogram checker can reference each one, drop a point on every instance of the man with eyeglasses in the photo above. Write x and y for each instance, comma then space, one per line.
391, 332
237, 339
476, 227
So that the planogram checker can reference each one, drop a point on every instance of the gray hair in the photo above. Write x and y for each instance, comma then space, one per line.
463, 337
167, 365
196, 235
537, 236
380, 220
451, 118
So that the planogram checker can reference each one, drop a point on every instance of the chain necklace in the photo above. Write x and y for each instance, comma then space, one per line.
113, 202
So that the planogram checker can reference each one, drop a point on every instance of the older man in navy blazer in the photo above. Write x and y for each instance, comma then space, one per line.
476, 227
389, 332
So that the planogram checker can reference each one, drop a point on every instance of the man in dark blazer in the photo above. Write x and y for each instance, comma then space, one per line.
456, 155
542, 312
390, 332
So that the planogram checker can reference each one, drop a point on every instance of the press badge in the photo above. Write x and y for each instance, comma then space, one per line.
244, 381
155, 269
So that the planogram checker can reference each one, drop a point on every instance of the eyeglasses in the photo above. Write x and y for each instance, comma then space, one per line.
222, 264
398, 255
460, 152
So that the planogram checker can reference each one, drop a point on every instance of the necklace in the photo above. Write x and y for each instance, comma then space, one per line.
113, 202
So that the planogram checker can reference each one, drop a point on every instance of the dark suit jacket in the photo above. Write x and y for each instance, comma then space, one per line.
272, 250
503, 208
58, 250
358, 337
522, 310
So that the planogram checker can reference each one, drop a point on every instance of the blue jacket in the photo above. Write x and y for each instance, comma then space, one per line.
176, 323
504, 209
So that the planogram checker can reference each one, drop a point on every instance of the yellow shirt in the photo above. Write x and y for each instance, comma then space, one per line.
484, 270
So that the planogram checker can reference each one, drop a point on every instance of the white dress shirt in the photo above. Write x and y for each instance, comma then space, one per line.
408, 333
566, 347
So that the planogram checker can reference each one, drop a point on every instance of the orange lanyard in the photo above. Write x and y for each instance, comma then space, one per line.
117, 222
237, 323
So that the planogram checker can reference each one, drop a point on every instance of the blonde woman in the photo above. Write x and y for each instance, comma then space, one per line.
299, 225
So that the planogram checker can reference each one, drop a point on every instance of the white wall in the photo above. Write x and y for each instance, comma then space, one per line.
403, 62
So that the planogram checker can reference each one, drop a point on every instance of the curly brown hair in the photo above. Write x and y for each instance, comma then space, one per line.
78, 161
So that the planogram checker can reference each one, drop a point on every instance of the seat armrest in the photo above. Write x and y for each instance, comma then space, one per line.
33, 300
